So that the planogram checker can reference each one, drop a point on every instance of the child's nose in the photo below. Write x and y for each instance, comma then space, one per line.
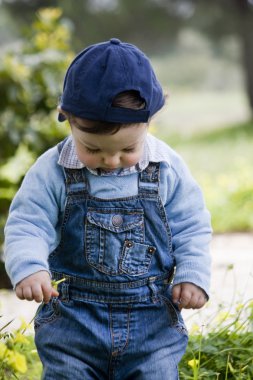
112, 161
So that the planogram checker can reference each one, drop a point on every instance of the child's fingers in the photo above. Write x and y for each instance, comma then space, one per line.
19, 292
37, 292
190, 300
36, 287
47, 290
201, 301
27, 293
176, 293
186, 298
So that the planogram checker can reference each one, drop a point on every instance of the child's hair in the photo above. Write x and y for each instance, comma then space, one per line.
127, 99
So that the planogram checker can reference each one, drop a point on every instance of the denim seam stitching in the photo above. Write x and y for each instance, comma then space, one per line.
110, 285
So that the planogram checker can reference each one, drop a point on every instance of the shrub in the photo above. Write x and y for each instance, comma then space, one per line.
31, 77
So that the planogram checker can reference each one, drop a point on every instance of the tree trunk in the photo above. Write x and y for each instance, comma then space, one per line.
4, 279
245, 26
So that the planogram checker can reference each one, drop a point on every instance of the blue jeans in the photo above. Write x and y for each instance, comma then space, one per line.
84, 339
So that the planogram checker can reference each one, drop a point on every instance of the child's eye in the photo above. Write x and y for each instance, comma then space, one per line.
129, 150
92, 151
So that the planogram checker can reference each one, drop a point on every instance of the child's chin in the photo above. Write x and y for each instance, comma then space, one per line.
109, 169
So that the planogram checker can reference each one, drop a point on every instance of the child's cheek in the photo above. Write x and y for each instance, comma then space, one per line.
86, 159
133, 159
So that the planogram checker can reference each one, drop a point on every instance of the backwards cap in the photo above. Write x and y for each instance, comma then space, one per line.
102, 71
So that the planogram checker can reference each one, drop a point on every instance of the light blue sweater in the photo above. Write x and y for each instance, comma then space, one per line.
32, 230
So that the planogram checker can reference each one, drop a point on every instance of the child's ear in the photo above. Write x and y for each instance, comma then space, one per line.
60, 110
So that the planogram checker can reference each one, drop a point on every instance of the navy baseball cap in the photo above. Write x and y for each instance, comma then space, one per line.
102, 71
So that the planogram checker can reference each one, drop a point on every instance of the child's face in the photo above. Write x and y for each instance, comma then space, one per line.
109, 152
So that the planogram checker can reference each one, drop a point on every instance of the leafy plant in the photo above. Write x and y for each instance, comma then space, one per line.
31, 78
222, 350
17, 352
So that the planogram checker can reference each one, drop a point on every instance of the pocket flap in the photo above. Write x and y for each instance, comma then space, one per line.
116, 220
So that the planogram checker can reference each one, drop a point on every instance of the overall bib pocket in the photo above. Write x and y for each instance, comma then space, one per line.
114, 241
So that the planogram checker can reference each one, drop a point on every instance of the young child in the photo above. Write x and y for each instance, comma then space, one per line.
115, 212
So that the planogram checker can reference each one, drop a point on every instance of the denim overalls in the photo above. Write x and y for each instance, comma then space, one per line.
114, 318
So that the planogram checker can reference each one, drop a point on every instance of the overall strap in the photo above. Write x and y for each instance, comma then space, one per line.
149, 179
75, 179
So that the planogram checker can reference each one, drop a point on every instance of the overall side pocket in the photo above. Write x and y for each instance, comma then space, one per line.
48, 313
175, 316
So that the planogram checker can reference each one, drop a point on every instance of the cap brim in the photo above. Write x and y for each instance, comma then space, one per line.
61, 117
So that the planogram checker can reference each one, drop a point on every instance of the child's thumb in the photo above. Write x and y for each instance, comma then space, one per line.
54, 293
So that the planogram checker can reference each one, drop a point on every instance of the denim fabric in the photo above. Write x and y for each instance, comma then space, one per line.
34, 226
81, 339
114, 318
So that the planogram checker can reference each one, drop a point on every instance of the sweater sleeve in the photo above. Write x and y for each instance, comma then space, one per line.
31, 228
190, 225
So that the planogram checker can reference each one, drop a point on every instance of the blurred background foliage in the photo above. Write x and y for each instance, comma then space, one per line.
202, 52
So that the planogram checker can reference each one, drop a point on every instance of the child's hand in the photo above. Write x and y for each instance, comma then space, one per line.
188, 296
36, 287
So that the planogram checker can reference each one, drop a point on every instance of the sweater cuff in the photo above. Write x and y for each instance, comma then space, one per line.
195, 275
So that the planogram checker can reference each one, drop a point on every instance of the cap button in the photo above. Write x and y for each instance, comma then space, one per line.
115, 41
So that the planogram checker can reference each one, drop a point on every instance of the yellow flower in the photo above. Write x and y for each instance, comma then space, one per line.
56, 283
194, 329
193, 363
17, 361
3, 350
49, 14
20, 338
24, 325
17, 69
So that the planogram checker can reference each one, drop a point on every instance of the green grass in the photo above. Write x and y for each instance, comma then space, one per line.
220, 350
223, 348
216, 152
221, 161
